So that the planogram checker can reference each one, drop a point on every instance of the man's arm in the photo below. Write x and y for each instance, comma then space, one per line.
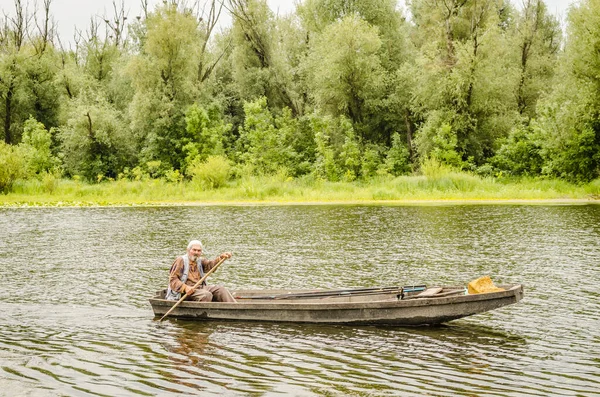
209, 264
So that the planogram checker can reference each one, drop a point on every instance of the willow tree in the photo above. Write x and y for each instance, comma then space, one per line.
387, 111
164, 76
346, 70
27, 70
570, 116
537, 36
465, 78
95, 140
317, 15
261, 45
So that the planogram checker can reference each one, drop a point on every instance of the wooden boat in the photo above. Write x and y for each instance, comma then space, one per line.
406, 306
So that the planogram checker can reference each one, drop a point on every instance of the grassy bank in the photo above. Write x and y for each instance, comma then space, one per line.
444, 187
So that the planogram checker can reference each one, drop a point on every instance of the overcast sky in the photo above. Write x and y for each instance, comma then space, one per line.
71, 13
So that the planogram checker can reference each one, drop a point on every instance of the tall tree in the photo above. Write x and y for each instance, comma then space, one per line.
163, 75
27, 70
570, 116
12, 43
317, 15
95, 141
346, 70
259, 66
466, 77
538, 36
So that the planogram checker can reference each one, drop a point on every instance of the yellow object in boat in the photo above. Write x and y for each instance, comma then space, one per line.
483, 285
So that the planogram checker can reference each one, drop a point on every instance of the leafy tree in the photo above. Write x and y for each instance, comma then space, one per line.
465, 75
345, 70
522, 152
267, 143
95, 141
98, 55
163, 77
260, 66
27, 71
385, 112
12, 93
206, 131
438, 141
38, 142
398, 114
570, 115
397, 160
13, 165
538, 39
317, 15
372, 160
338, 150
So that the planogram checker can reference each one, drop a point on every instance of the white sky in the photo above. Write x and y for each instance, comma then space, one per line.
71, 13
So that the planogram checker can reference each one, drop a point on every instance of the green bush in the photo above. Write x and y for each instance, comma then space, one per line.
438, 138
397, 161
38, 140
577, 158
338, 149
521, 152
212, 173
435, 169
206, 132
50, 181
173, 176
13, 165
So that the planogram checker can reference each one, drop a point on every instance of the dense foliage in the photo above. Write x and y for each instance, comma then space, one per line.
339, 90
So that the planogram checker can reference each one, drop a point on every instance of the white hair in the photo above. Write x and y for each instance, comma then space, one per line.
194, 242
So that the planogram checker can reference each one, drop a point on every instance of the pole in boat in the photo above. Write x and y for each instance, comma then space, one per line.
195, 286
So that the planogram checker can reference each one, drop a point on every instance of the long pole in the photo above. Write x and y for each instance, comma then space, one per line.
195, 286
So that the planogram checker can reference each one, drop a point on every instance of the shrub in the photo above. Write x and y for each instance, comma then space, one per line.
206, 131
438, 138
397, 161
38, 141
371, 160
338, 149
50, 181
212, 173
13, 165
173, 176
521, 152
433, 168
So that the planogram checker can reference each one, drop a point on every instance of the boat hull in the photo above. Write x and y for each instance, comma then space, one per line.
390, 310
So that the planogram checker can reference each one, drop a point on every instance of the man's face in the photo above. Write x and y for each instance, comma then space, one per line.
195, 252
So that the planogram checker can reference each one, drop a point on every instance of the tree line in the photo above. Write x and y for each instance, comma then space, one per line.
337, 90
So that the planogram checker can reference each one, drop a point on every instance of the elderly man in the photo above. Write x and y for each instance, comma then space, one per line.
188, 269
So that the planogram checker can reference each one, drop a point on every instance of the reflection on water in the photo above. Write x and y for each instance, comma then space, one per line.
75, 318
327, 357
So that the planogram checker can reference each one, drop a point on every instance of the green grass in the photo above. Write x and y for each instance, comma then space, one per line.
438, 186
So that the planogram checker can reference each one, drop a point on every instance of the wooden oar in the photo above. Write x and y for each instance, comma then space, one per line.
195, 286
338, 292
326, 293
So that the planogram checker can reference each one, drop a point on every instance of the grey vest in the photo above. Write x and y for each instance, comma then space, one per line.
175, 296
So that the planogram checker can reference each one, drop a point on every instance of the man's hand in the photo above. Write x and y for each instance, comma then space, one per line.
188, 290
225, 255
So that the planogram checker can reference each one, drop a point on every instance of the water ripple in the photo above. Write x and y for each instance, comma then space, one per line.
75, 320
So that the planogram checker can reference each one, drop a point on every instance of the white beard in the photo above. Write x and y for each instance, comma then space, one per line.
194, 258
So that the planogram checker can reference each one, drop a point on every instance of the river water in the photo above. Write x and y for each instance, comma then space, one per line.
75, 320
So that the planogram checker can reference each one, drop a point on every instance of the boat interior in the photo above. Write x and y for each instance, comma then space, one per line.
349, 295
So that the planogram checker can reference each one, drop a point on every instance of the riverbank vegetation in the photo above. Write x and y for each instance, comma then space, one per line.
340, 100
438, 184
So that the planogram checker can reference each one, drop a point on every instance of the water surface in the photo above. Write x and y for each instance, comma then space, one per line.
75, 320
